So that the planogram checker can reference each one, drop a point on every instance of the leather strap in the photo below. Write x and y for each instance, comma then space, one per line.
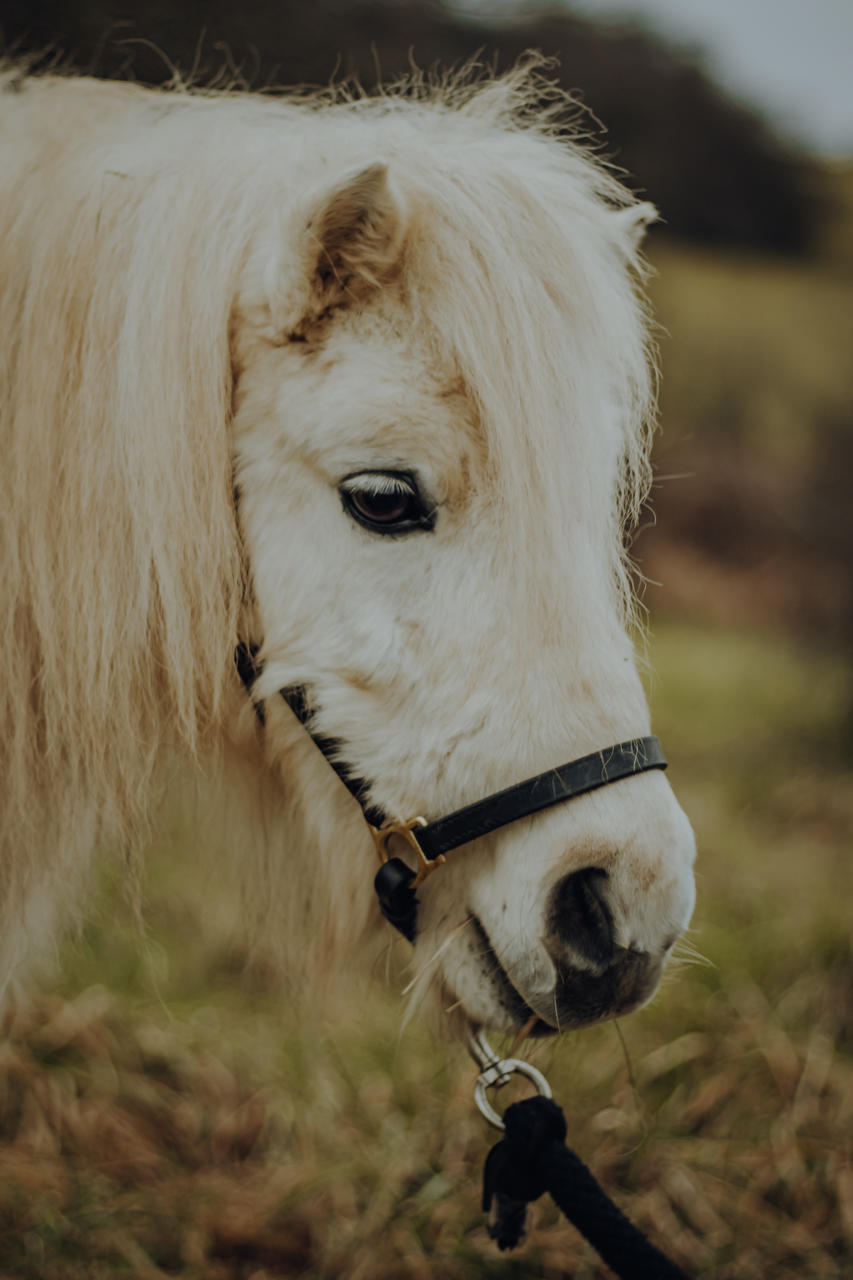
296, 698
563, 783
566, 781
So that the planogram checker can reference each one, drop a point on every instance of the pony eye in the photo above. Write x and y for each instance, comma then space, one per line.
385, 502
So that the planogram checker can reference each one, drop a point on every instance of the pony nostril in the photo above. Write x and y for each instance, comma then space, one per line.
579, 916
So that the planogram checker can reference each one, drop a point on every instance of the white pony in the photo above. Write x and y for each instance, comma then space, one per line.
364, 383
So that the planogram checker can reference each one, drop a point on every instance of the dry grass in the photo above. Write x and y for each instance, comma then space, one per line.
161, 1115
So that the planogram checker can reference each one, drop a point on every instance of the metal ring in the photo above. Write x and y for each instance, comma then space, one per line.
497, 1075
406, 831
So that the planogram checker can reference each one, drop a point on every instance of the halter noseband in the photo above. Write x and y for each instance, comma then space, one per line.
395, 882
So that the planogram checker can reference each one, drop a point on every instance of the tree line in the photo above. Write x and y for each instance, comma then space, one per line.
713, 167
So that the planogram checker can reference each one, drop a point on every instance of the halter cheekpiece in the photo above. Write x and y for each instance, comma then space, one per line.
395, 882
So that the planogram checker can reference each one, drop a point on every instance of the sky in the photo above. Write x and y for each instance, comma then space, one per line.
793, 59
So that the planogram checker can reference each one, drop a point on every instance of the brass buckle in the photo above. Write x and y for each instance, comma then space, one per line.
406, 830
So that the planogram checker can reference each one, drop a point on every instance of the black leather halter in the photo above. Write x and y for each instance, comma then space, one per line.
395, 881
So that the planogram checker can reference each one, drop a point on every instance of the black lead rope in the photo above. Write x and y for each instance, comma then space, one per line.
532, 1157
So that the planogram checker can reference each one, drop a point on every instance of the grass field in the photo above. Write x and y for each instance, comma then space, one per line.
754, 350
163, 1115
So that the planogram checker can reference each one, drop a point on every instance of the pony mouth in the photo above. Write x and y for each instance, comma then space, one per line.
510, 999
580, 998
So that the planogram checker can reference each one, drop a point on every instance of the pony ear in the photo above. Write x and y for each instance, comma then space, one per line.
357, 234
345, 245
632, 224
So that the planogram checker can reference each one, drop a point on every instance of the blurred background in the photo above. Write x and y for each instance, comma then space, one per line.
167, 1111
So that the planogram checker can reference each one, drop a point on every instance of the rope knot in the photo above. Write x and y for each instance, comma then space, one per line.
533, 1158
515, 1172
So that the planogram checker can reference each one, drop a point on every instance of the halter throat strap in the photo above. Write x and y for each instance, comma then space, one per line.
395, 881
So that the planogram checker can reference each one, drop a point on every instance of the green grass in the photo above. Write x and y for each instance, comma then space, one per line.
162, 1114
755, 353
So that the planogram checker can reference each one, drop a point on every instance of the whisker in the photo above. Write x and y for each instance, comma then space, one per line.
436, 956
686, 953
523, 1034
417, 988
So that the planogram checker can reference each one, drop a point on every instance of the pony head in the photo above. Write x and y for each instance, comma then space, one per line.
441, 391
365, 384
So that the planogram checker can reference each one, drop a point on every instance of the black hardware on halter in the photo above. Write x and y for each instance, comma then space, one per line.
395, 882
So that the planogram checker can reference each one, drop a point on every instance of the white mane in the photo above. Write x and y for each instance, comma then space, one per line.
126, 221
